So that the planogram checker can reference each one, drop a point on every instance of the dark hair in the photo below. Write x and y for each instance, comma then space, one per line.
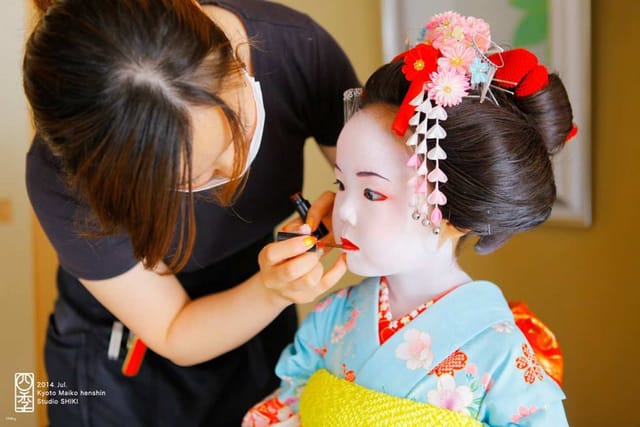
110, 83
498, 156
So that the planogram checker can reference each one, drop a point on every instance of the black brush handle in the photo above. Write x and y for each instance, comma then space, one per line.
302, 206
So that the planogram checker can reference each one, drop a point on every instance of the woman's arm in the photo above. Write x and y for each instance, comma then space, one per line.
157, 308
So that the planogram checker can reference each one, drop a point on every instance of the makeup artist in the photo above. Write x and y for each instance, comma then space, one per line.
148, 115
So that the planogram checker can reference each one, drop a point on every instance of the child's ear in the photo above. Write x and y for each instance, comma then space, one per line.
450, 232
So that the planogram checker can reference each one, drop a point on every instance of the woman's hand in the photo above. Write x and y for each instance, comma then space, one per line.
320, 211
294, 275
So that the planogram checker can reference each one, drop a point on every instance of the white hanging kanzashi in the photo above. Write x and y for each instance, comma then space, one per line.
425, 111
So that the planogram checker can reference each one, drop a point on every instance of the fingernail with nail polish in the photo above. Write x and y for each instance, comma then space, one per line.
310, 241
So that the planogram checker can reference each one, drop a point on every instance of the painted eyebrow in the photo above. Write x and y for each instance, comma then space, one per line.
365, 173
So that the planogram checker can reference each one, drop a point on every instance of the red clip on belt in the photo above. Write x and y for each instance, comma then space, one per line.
135, 354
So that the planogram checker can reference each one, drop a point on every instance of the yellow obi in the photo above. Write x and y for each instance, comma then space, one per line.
331, 401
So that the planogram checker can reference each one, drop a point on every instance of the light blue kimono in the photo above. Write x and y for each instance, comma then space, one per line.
490, 371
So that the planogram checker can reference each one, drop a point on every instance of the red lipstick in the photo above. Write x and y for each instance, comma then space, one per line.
348, 245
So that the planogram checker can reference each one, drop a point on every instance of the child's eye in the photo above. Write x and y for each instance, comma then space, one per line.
373, 195
339, 184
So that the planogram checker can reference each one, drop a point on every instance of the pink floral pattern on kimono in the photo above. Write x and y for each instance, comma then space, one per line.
450, 395
416, 349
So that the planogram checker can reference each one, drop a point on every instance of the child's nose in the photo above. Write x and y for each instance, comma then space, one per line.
347, 213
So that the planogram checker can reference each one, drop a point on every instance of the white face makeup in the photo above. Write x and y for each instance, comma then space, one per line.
372, 202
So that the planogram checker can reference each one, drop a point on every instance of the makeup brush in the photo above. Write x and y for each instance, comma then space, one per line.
319, 245
329, 245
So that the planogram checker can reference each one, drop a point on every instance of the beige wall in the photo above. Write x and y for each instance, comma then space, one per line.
17, 352
580, 281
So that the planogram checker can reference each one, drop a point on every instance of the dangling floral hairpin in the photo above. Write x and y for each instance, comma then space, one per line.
442, 69
452, 59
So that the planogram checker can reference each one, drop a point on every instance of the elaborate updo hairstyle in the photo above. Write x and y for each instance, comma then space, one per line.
110, 84
498, 156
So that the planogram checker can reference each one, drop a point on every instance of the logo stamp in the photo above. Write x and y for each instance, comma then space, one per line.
24, 392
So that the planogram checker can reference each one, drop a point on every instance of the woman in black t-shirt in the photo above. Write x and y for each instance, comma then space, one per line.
148, 115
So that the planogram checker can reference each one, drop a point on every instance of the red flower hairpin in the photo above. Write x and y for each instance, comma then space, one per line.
419, 63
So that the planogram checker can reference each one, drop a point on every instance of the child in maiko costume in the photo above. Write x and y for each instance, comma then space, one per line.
451, 139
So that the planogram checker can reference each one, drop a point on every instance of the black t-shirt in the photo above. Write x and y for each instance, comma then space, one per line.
302, 72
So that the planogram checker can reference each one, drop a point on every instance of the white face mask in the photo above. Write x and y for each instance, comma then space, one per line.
256, 140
